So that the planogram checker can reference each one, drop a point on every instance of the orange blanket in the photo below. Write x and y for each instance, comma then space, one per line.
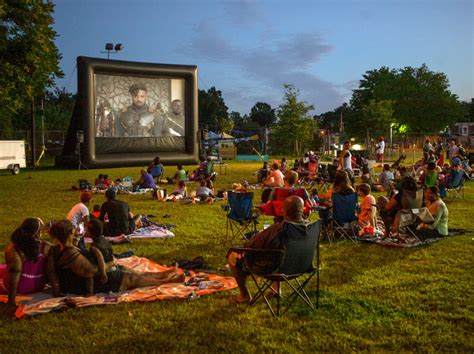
38, 303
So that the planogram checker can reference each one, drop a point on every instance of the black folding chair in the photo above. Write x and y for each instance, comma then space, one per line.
286, 267
242, 219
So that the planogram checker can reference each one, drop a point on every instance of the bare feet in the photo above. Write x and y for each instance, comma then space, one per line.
241, 299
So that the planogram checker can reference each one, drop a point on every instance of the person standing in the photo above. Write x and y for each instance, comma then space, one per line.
345, 160
380, 149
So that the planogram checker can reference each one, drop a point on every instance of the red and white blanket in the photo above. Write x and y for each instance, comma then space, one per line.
43, 302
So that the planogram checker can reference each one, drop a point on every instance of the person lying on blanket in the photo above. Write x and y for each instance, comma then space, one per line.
103, 255
25, 256
179, 193
71, 272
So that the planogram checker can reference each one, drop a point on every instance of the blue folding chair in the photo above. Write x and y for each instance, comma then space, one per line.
241, 219
343, 216
455, 186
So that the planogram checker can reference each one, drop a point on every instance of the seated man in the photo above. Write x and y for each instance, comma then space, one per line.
275, 178
120, 219
266, 239
146, 180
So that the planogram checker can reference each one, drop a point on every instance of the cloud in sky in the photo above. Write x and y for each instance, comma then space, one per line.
273, 62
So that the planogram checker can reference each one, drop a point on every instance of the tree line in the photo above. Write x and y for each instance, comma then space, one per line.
410, 100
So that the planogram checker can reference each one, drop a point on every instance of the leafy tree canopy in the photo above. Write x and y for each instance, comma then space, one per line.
295, 128
420, 99
213, 113
29, 58
262, 114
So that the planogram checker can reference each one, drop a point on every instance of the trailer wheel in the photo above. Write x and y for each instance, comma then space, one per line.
16, 170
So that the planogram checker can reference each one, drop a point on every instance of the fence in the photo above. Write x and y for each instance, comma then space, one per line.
51, 140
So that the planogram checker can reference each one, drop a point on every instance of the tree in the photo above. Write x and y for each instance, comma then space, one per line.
29, 58
58, 106
378, 115
264, 115
295, 127
421, 100
212, 110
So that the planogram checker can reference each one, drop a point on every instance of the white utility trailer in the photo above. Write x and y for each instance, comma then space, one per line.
12, 155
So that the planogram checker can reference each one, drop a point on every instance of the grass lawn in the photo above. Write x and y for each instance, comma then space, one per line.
372, 298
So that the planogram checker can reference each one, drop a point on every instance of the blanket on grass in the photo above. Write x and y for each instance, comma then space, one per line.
196, 285
408, 240
151, 231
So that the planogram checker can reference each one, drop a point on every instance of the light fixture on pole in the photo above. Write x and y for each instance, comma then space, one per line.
110, 48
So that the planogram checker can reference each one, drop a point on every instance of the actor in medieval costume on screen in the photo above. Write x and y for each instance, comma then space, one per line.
105, 120
139, 119
176, 118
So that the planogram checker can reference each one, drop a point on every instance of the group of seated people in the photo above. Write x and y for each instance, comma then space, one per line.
395, 184
69, 269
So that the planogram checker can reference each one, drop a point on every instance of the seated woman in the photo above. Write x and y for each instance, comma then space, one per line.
70, 271
342, 185
156, 169
25, 257
262, 174
180, 174
406, 198
440, 213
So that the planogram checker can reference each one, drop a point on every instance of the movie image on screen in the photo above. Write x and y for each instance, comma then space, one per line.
131, 112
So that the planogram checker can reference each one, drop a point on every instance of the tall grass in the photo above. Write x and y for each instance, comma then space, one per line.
372, 298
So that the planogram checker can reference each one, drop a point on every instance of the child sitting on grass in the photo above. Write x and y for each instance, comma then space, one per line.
103, 256
204, 193
179, 193
96, 211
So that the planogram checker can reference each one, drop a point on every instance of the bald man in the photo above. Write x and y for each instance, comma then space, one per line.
293, 207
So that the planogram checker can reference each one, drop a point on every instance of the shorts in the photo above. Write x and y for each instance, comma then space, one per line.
114, 281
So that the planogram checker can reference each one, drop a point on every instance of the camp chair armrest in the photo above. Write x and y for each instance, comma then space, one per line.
261, 261
257, 251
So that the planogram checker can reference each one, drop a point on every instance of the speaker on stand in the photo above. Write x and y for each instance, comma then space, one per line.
80, 140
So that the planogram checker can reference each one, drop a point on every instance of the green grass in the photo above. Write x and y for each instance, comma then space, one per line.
372, 298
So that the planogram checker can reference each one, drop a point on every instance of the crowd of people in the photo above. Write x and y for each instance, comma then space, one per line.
71, 267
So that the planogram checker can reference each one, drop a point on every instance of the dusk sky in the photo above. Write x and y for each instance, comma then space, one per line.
249, 49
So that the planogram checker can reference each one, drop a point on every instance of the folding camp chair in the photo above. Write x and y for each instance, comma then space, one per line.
241, 219
343, 217
286, 266
455, 185
411, 218
279, 195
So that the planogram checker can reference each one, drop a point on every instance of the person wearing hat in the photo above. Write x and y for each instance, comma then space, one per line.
117, 212
79, 217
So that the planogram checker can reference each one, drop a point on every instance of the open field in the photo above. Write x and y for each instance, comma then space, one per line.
372, 298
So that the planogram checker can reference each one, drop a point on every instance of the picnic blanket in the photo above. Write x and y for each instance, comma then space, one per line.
407, 240
196, 285
151, 231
